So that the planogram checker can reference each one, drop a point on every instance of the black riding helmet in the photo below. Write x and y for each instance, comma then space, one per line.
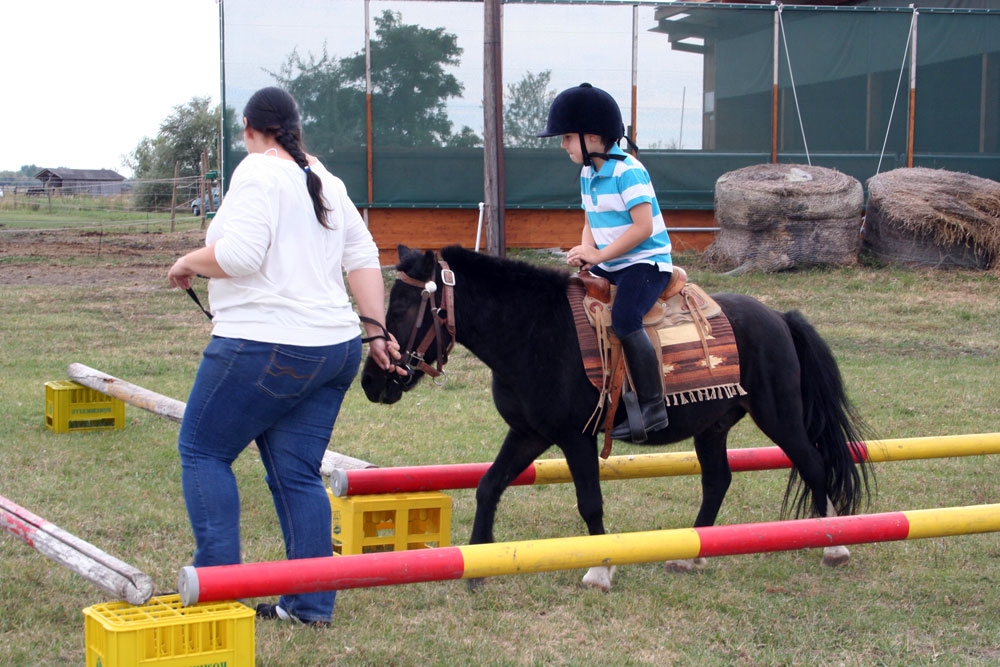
585, 109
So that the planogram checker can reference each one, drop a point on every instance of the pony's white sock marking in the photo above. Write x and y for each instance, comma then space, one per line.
837, 555
599, 577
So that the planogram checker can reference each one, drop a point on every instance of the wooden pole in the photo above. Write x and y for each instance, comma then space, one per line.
493, 195
203, 204
173, 196
107, 572
173, 409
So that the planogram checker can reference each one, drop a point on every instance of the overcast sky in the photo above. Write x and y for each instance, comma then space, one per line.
85, 80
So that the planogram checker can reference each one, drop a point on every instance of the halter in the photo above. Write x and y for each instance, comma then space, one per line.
413, 357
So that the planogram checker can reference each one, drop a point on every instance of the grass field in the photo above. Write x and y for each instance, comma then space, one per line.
920, 354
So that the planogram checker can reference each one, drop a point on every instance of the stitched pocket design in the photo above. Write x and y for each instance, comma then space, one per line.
289, 374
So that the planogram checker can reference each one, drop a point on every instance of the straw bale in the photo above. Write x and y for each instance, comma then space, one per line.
773, 217
933, 217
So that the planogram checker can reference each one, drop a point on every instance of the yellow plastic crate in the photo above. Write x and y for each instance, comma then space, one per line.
69, 406
390, 522
162, 633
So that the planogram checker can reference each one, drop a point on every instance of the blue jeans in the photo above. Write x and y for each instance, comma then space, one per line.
638, 287
286, 398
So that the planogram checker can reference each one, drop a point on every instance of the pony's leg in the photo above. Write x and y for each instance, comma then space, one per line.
716, 476
517, 452
809, 464
838, 555
589, 501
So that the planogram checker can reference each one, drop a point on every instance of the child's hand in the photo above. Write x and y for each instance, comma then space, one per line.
583, 256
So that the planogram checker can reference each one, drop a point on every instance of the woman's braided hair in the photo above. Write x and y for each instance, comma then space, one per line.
273, 111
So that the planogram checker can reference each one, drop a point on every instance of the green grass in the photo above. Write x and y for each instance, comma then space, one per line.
85, 211
920, 353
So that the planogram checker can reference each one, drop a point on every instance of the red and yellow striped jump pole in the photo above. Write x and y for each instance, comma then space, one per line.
552, 471
230, 582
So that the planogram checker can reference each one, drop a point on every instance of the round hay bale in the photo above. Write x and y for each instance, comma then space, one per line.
933, 217
773, 217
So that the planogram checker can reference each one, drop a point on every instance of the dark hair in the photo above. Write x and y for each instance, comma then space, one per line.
273, 112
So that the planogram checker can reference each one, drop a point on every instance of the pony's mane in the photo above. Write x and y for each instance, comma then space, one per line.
505, 274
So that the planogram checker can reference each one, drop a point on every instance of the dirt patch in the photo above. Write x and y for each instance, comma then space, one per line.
91, 258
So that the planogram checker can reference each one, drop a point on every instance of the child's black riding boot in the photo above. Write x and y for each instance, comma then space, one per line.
645, 407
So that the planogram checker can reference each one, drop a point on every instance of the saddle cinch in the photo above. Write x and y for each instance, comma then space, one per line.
681, 314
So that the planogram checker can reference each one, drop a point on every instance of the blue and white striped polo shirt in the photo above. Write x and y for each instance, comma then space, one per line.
607, 197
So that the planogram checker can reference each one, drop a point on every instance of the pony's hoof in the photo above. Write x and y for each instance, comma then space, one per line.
686, 565
473, 585
834, 556
599, 578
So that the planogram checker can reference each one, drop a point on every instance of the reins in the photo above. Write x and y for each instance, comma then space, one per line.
191, 293
413, 356
443, 319
384, 335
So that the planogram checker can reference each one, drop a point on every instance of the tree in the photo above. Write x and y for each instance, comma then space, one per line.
410, 87
526, 109
191, 129
331, 105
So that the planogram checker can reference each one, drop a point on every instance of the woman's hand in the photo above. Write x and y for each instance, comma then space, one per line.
200, 262
385, 353
180, 274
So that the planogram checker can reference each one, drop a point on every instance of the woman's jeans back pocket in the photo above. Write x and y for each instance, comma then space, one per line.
289, 373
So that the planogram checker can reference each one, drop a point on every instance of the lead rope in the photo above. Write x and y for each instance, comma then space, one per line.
194, 297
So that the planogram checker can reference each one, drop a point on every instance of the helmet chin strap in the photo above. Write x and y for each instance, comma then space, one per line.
606, 156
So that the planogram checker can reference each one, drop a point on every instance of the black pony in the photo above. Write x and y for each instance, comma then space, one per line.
516, 318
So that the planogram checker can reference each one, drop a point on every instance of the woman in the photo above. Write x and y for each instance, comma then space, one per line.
285, 344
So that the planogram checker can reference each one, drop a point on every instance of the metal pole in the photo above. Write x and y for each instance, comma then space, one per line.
230, 582
775, 50
913, 92
369, 131
635, 71
414, 479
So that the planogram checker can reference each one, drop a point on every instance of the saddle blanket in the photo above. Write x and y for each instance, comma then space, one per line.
687, 375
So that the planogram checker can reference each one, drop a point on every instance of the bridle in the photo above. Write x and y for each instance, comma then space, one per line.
442, 318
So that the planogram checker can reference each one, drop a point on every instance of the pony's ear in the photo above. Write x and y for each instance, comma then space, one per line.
408, 257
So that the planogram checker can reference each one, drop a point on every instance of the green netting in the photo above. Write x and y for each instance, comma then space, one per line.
703, 78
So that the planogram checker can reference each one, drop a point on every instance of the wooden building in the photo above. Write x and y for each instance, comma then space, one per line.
97, 182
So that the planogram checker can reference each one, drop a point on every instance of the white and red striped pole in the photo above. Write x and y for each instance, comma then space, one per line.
107, 572
230, 582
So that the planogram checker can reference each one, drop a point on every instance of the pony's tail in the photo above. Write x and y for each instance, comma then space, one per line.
833, 426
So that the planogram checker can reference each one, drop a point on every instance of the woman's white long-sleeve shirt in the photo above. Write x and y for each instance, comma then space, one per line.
286, 271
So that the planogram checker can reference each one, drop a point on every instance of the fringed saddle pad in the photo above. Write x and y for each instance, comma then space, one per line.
695, 367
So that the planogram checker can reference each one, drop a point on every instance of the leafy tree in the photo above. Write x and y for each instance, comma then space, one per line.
25, 174
526, 109
332, 107
410, 87
191, 129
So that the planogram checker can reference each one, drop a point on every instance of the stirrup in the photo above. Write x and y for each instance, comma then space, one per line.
632, 429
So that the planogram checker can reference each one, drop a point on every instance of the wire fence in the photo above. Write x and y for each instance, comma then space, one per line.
85, 206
